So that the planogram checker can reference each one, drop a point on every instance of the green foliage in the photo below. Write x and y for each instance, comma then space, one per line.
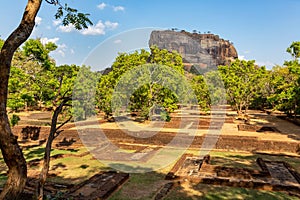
165, 116
84, 102
285, 84
147, 93
35, 81
14, 120
209, 90
34, 49
216, 88
242, 80
77, 19
1, 43
20, 94
294, 50
164, 57
201, 91
281, 95
70, 15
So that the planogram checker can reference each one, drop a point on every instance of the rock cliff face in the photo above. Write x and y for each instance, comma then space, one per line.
200, 50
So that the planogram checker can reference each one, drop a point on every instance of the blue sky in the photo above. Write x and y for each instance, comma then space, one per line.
261, 30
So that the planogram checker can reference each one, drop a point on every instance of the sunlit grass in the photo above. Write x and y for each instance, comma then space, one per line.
140, 186
38, 152
75, 169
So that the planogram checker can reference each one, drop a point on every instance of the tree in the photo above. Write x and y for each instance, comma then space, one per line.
294, 50
65, 77
124, 62
30, 71
242, 82
201, 91
151, 94
265, 89
295, 70
14, 120
19, 96
51, 86
291, 94
282, 89
209, 89
12, 154
54, 132
84, 102
285, 83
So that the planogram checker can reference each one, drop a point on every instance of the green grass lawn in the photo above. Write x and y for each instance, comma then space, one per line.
75, 169
140, 186
70, 169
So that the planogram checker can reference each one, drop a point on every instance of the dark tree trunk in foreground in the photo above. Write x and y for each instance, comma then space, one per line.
12, 154
54, 132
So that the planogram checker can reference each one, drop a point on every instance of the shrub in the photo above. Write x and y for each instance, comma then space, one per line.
14, 120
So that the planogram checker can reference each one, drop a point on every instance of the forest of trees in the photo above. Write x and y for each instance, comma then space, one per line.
37, 83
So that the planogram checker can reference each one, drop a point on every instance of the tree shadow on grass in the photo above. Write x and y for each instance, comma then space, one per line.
251, 159
37, 153
212, 192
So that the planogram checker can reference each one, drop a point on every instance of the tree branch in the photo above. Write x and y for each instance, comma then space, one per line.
65, 122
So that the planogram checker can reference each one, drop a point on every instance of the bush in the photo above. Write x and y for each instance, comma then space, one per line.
165, 116
14, 120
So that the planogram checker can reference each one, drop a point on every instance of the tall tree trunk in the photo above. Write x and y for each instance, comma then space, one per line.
14, 159
46, 162
12, 154
54, 132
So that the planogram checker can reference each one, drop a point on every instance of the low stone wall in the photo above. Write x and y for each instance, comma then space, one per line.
250, 144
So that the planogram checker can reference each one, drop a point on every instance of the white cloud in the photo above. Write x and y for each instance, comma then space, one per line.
111, 25
268, 64
61, 48
66, 29
47, 40
56, 22
101, 6
61, 53
72, 51
38, 20
118, 41
118, 8
241, 57
98, 29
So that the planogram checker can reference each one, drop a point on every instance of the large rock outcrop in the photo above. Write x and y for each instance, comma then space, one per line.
206, 51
